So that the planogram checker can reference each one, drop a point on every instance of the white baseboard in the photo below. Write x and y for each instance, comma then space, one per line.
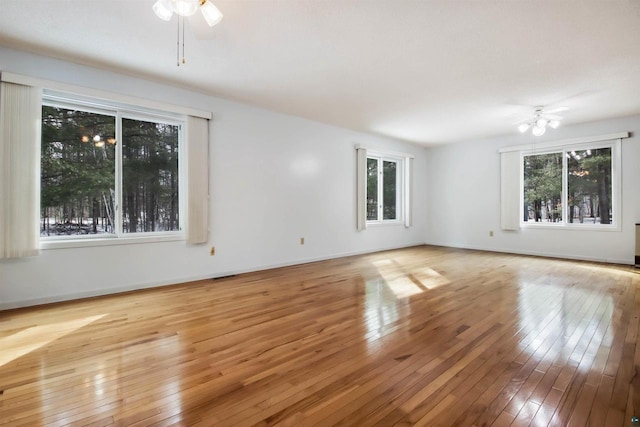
536, 253
176, 280
4, 305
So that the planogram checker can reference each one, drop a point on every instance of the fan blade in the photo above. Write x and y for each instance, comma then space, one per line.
556, 110
519, 122
552, 116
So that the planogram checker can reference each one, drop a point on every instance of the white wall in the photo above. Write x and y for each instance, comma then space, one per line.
274, 178
464, 199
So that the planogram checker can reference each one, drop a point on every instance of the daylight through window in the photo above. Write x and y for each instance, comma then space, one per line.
87, 173
384, 189
572, 186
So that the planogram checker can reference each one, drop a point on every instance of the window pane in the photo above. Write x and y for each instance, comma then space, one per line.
543, 188
149, 176
589, 186
77, 172
389, 190
372, 189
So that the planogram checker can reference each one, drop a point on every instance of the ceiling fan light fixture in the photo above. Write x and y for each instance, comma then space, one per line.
523, 127
538, 130
210, 13
184, 7
162, 9
540, 121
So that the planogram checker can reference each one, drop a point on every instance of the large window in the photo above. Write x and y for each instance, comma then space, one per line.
384, 189
108, 172
574, 185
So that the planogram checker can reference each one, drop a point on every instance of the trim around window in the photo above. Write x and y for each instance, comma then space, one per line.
116, 218
403, 188
59, 242
380, 187
567, 151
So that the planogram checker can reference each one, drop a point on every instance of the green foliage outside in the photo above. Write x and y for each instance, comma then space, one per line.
589, 186
372, 189
78, 174
389, 190
543, 187
588, 182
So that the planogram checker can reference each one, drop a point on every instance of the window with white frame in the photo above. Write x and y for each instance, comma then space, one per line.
576, 185
384, 189
108, 172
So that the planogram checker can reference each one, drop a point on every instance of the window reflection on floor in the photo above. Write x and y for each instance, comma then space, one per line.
387, 296
552, 320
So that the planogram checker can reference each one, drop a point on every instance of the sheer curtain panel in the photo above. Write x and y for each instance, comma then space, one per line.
197, 180
361, 183
408, 192
510, 190
20, 121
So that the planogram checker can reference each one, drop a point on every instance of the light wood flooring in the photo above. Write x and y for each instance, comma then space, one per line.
420, 336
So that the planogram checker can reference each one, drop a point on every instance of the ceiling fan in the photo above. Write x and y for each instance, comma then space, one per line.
164, 9
540, 119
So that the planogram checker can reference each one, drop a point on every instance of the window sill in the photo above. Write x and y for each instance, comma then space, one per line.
65, 243
583, 227
384, 223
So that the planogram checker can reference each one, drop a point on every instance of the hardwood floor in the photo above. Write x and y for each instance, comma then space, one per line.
419, 336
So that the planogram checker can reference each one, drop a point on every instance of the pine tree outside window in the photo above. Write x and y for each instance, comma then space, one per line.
107, 173
577, 186
384, 189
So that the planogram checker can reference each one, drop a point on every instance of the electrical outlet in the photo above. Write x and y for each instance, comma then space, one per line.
490, 233
302, 240
212, 252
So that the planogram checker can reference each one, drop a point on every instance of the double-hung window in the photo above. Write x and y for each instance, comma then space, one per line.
384, 193
107, 171
575, 185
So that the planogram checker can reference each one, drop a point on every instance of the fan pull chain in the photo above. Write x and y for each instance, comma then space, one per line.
178, 44
180, 23
182, 18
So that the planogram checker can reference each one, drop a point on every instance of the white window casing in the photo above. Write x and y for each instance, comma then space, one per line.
512, 163
404, 187
21, 119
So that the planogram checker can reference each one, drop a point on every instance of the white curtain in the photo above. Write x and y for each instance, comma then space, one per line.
408, 192
510, 190
361, 183
197, 149
20, 121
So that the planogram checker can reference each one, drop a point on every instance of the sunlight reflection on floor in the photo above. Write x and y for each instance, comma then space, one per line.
31, 339
403, 285
553, 315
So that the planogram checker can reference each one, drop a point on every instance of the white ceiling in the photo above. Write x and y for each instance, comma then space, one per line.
429, 72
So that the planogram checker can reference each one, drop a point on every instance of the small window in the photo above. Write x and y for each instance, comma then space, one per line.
384, 189
92, 184
573, 186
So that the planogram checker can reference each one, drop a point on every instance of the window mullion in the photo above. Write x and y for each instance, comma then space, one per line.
118, 174
565, 188
380, 189
399, 191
